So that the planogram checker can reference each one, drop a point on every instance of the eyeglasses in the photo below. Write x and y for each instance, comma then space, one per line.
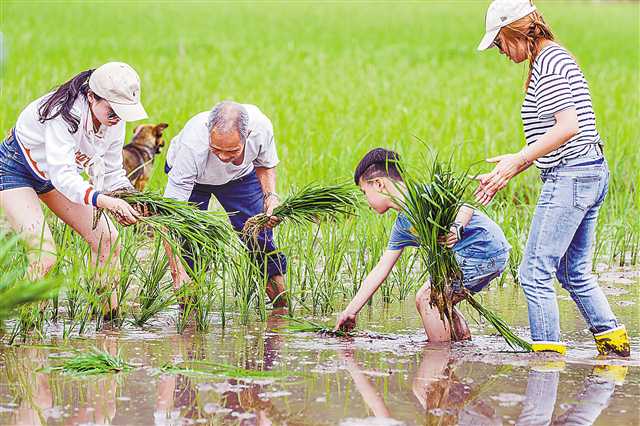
497, 43
111, 115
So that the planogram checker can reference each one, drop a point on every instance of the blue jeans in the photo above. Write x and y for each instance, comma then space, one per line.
561, 243
242, 198
14, 170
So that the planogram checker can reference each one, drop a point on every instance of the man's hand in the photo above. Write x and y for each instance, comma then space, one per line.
346, 322
271, 201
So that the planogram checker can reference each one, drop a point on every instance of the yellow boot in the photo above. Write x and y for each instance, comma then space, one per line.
542, 346
614, 341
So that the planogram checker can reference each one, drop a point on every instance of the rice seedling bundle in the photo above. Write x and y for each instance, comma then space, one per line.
432, 209
182, 224
312, 203
93, 363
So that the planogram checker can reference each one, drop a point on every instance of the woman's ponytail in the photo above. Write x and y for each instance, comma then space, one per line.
61, 101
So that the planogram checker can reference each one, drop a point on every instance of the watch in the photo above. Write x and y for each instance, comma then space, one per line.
459, 230
270, 194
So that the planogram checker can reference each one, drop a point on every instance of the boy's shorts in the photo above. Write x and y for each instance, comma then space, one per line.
478, 272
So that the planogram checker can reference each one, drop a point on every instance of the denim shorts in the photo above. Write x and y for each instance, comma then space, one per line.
14, 170
478, 272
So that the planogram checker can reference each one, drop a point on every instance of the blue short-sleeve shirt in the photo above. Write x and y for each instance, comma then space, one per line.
482, 237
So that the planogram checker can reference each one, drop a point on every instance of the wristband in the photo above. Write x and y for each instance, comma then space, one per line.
459, 230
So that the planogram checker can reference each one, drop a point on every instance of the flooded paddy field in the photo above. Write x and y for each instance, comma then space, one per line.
387, 374
336, 79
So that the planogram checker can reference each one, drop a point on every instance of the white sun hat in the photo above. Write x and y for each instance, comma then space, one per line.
119, 84
500, 14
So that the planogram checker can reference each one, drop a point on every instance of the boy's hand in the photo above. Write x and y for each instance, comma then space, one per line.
346, 322
450, 239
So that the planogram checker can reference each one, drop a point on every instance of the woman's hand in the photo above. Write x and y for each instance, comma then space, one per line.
141, 208
125, 214
507, 166
346, 321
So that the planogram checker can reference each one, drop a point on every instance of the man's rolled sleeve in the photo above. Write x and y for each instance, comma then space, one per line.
182, 176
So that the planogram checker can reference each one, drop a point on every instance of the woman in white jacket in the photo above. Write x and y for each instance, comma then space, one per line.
78, 127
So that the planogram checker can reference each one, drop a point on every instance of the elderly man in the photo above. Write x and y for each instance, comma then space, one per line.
230, 153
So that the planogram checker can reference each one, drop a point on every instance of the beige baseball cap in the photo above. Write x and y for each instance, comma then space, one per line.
119, 84
500, 14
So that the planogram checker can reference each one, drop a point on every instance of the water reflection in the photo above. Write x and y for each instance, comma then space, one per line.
542, 390
38, 400
241, 401
435, 386
446, 400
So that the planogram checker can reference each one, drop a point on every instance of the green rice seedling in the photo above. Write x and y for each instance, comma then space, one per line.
357, 264
311, 203
197, 298
297, 250
368, 242
181, 224
21, 294
93, 363
185, 296
514, 220
333, 248
129, 246
303, 247
214, 369
155, 292
204, 295
431, 209
247, 280
18, 292
406, 276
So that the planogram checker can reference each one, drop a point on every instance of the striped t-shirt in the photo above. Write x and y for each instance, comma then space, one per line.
558, 84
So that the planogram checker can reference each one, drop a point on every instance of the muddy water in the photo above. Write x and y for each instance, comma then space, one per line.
387, 376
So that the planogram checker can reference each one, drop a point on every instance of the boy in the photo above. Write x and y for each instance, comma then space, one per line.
479, 244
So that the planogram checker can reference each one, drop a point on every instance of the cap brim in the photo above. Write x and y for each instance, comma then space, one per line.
133, 112
488, 39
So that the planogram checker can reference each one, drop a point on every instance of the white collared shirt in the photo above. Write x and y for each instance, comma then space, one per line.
192, 162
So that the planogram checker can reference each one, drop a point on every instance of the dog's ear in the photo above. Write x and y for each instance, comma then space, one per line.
159, 128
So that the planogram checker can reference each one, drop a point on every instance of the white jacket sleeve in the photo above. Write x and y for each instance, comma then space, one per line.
61, 164
115, 176
182, 176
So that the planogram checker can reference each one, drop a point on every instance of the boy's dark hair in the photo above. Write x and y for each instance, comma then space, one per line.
378, 162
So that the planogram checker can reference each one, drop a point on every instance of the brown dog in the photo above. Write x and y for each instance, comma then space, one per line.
138, 155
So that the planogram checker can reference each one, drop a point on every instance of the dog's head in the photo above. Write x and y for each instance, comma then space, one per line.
149, 136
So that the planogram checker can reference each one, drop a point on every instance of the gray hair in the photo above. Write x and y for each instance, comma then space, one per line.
229, 116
